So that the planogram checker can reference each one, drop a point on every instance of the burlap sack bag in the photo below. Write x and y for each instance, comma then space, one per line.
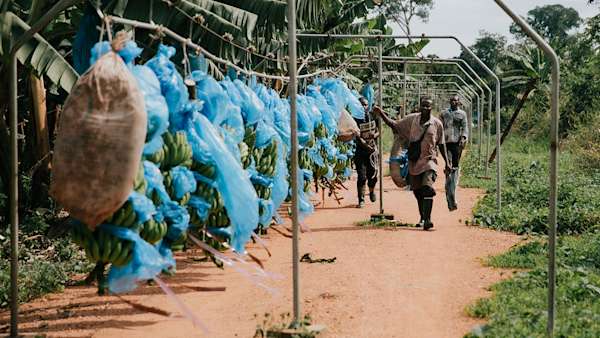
100, 139
346, 125
395, 153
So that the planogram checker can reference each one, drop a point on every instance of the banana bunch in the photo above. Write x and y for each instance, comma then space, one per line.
246, 159
204, 169
304, 160
124, 217
218, 219
179, 243
168, 182
139, 183
263, 192
250, 137
266, 159
320, 171
321, 131
177, 151
158, 157
101, 246
210, 195
153, 231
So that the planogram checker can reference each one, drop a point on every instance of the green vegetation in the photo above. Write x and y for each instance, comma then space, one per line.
518, 306
525, 192
46, 263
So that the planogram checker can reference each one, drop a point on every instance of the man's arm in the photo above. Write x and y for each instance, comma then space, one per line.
442, 146
378, 112
465, 128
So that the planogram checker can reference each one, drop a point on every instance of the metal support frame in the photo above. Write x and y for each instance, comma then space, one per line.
472, 54
14, 156
553, 175
292, 89
457, 63
380, 121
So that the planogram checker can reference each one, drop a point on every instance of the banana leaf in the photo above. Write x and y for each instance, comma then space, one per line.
37, 53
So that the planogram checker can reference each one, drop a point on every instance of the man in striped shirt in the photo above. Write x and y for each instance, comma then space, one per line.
457, 132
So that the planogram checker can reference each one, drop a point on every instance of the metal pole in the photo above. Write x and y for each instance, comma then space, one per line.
380, 100
292, 89
551, 54
456, 61
405, 104
14, 203
14, 157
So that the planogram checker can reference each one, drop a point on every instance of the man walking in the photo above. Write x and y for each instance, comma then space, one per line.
365, 155
457, 132
424, 134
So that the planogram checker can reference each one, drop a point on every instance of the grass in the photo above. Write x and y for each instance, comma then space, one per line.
518, 305
46, 263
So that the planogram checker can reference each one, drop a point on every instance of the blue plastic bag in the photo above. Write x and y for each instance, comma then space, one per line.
143, 206
239, 196
146, 263
154, 181
252, 106
171, 82
183, 181
369, 94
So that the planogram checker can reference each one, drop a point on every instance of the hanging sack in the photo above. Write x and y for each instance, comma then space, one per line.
398, 161
347, 125
100, 140
414, 148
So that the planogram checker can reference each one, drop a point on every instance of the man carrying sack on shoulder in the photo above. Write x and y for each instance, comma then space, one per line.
424, 133
457, 132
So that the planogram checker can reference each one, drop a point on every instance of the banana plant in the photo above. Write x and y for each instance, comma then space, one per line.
528, 70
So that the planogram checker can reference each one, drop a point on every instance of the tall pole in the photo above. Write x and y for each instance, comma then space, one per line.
13, 110
404, 103
380, 139
554, 117
292, 90
14, 200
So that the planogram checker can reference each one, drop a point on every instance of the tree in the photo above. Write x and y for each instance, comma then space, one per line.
489, 47
527, 70
404, 11
553, 22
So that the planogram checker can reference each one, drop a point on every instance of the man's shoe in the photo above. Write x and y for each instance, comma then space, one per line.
427, 225
361, 204
372, 196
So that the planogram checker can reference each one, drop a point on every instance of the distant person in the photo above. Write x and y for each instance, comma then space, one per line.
365, 157
424, 133
457, 132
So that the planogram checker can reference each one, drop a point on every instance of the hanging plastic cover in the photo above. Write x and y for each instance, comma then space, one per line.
329, 117
252, 106
99, 144
218, 105
369, 94
156, 105
146, 263
171, 82
239, 196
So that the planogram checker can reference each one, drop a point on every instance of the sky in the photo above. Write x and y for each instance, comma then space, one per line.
465, 18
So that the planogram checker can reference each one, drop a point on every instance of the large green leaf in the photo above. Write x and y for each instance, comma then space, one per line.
36, 53
221, 18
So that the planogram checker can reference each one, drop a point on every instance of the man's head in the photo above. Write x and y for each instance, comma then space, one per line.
426, 106
454, 102
364, 103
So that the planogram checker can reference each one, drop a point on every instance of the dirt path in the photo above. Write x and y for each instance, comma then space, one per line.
401, 283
